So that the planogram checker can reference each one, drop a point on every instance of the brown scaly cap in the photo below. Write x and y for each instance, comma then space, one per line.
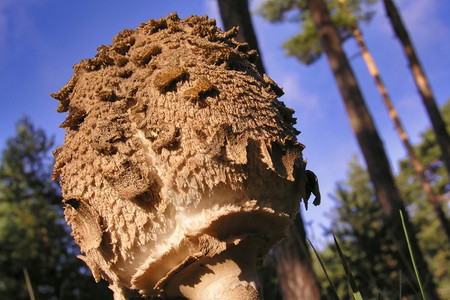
174, 142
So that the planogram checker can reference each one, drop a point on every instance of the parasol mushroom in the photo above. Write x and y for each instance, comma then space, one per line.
180, 168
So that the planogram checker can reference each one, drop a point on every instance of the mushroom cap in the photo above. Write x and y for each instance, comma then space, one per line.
175, 148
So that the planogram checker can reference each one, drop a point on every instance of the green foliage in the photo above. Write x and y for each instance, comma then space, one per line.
430, 234
32, 231
358, 223
278, 10
305, 45
429, 154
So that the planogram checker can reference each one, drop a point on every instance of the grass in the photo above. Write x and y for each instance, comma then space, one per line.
348, 273
333, 288
28, 282
350, 279
412, 256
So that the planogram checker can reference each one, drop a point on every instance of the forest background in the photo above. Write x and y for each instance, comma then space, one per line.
41, 40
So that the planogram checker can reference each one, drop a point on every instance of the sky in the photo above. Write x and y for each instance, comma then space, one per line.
40, 41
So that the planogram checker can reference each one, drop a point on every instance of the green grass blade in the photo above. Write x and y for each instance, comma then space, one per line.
333, 289
356, 293
28, 282
412, 256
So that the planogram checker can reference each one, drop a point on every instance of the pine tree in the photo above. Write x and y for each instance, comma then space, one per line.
422, 83
346, 15
305, 45
372, 148
370, 247
33, 238
393, 114
358, 224
437, 251
362, 124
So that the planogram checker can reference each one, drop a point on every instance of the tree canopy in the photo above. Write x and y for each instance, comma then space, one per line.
305, 45
358, 224
33, 234
430, 233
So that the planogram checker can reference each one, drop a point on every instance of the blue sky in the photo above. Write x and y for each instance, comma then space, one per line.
40, 41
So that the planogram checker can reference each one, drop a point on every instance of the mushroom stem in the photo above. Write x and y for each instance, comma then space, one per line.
228, 275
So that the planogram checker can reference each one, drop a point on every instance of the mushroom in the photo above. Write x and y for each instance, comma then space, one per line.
180, 168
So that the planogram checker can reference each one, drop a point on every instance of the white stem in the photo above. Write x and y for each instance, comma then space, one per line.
229, 275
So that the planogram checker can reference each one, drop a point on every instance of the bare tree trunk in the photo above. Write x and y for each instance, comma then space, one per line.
370, 143
236, 13
421, 81
417, 165
293, 262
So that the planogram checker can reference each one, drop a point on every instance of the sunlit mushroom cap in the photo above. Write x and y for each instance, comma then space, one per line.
175, 148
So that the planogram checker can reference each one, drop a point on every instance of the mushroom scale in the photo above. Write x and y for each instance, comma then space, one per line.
180, 168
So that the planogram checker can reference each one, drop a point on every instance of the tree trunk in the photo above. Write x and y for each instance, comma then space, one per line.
294, 264
371, 145
236, 13
421, 81
417, 165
